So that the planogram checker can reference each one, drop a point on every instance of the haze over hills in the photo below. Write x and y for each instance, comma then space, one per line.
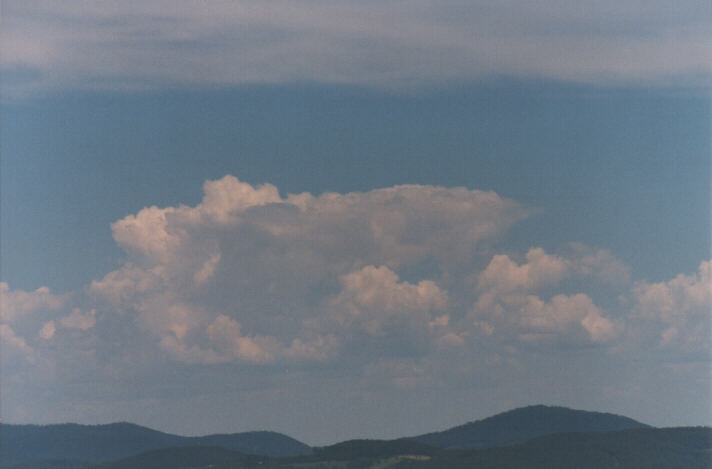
531, 437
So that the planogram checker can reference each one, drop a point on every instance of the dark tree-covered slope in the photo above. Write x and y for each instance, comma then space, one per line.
520, 425
650, 448
185, 458
374, 449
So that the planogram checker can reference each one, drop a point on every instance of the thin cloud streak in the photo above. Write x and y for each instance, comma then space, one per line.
392, 44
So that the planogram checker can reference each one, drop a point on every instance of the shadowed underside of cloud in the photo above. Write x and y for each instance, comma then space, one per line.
391, 44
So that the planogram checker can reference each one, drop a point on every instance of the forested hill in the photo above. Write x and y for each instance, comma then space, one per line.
647, 448
520, 425
97, 443
188, 457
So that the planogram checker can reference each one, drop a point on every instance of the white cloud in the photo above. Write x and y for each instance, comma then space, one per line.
182, 352
397, 225
226, 333
374, 300
677, 312
13, 345
507, 306
206, 271
79, 320
440, 321
566, 315
503, 275
48, 330
161, 314
121, 286
16, 303
223, 341
451, 339
314, 347
260, 266
133, 44
571, 319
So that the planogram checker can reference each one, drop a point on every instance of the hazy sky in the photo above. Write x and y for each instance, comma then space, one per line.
354, 219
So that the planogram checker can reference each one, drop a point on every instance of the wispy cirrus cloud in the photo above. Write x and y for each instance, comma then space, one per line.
391, 44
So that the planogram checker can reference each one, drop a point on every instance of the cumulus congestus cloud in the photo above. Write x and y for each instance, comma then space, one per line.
398, 289
250, 275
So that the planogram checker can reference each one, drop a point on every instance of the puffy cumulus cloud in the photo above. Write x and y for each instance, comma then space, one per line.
507, 306
245, 274
504, 275
79, 320
120, 287
26, 316
138, 44
569, 315
154, 234
313, 347
227, 335
16, 303
162, 314
48, 330
573, 319
206, 271
676, 313
223, 341
14, 346
373, 299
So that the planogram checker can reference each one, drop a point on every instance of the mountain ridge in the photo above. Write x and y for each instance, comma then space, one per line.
107, 442
524, 423
94, 444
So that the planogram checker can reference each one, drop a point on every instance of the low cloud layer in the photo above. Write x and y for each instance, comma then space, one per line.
392, 44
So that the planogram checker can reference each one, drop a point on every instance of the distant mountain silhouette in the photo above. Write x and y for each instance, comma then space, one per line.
530, 437
98, 443
520, 425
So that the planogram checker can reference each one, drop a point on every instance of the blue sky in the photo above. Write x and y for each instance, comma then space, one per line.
483, 226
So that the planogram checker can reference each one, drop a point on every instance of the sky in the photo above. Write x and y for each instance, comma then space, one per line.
353, 219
